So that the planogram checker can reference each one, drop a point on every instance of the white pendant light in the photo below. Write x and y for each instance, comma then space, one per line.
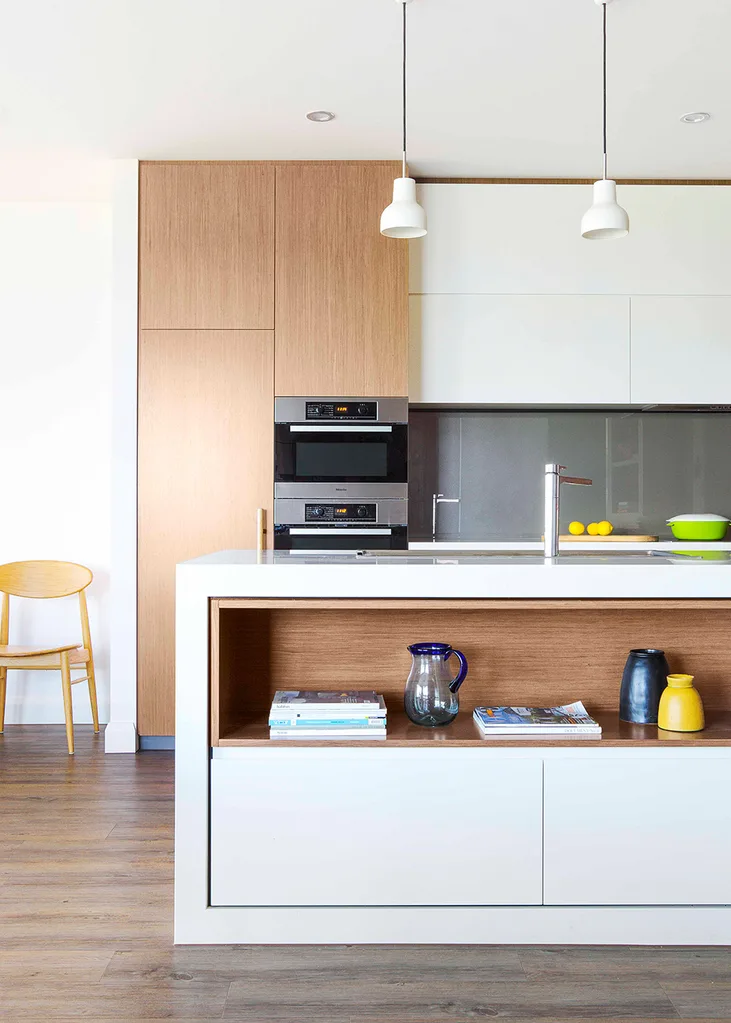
605, 218
404, 218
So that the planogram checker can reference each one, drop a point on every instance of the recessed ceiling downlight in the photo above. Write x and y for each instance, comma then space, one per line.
695, 117
320, 115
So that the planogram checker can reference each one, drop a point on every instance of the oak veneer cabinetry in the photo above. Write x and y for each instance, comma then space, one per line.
207, 348
206, 246
205, 450
341, 287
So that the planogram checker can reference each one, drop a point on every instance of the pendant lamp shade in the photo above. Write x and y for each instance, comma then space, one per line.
605, 218
404, 218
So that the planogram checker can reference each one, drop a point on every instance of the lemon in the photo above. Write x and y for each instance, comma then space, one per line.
576, 528
604, 528
593, 529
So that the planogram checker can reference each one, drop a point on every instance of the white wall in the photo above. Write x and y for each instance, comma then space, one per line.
55, 398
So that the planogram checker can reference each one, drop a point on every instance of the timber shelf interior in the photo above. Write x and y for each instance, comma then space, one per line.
520, 652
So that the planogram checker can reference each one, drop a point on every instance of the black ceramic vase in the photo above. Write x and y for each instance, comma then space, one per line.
644, 679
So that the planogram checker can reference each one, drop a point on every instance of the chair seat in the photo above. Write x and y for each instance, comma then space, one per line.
41, 657
33, 651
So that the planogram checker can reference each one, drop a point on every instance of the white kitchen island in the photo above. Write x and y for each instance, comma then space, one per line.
439, 835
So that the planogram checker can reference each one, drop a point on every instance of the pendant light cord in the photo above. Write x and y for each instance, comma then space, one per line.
604, 88
403, 85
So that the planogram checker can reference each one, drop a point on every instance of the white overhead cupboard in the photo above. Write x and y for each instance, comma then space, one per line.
520, 349
681, 348
509, 304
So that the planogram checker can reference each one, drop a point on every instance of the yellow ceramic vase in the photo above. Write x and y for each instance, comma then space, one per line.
681, 707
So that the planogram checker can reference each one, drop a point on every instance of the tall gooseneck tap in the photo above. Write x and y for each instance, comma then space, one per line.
552, 503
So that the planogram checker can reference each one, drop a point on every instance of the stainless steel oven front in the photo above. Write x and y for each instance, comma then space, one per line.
308, 525
341, 447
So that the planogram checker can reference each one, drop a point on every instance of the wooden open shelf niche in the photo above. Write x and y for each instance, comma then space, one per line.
527, 652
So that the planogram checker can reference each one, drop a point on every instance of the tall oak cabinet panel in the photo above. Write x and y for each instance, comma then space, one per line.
205, 452
341, 310
206, 389
206, 246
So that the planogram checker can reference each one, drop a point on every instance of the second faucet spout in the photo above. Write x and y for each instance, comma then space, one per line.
552, 503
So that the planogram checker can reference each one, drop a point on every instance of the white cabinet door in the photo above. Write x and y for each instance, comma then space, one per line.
681, 349
526, 239
375, 831
519, 349
637, 832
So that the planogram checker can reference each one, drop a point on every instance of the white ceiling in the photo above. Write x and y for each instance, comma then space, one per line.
497, 87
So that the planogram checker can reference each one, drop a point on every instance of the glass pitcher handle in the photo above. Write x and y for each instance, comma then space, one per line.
457, 682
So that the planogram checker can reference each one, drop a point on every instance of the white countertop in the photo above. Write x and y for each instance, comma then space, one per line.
246, 573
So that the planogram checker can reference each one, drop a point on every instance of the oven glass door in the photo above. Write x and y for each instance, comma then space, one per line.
309, 453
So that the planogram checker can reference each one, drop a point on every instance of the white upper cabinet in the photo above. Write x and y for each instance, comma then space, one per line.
681, 349
510, 305
526, 239
519, 349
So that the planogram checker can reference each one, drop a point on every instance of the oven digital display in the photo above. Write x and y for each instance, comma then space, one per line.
353, 410
340, 513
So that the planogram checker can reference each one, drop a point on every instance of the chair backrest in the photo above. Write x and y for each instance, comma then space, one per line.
43, 578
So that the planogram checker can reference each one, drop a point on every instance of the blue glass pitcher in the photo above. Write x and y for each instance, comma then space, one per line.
430, 697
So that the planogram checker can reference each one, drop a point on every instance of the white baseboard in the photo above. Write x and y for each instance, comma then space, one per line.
120, 737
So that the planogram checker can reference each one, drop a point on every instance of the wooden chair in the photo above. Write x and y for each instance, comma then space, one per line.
48, 579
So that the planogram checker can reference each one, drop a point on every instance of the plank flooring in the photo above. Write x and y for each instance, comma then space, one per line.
86, 862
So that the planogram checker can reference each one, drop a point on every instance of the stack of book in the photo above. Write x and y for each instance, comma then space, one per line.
349, 714
569, 722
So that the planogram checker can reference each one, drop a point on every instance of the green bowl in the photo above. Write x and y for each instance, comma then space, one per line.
703, 530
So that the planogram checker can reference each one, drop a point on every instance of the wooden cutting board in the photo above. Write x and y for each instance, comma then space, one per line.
612, 538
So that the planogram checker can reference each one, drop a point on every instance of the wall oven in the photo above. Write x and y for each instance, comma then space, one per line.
336, 525
340, 473
322, 443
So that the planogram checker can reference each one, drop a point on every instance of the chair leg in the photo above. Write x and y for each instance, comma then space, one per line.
67, 705
3, 682
92, 694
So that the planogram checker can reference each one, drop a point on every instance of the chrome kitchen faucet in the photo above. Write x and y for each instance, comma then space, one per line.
439, 499
554, 479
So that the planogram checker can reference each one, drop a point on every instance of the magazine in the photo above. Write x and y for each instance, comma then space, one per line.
571, 719
327, 733
308, 714
302, 700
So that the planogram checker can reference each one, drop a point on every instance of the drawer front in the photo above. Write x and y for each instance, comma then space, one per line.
375, 831
639, 832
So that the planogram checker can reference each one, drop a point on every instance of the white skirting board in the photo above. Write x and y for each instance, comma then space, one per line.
120, 737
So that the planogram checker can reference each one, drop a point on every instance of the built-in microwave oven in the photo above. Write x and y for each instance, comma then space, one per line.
340, 446
340, 473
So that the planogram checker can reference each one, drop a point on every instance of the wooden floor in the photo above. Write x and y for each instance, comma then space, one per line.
86, 927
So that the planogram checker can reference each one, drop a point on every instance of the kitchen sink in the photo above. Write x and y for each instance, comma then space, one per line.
535, 554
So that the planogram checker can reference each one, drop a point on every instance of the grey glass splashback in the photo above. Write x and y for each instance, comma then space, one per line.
646, 467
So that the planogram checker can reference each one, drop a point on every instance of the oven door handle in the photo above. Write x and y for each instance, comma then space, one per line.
337, 428
334, 531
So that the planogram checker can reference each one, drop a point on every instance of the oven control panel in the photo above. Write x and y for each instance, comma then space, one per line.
340, 512
346, 410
